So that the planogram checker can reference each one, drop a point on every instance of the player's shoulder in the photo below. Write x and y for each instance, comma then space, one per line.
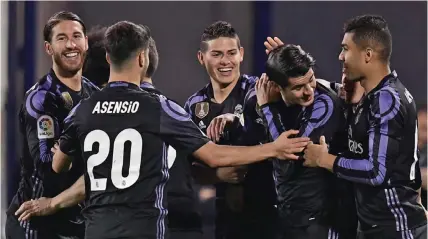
87, 83
248, 81
325, 95
41, 97
385, 101
198, 96
333, 86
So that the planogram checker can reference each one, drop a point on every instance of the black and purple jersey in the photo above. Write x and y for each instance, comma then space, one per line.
382, 159
41, 117
124, 133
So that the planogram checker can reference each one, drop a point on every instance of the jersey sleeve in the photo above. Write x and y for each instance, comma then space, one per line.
383, 146
69, 143
254, 130
177, 129
272, 119
41, 128
317, 120
41, 125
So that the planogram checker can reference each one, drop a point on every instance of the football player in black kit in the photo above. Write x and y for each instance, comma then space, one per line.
306, 207
382, 157
183, 218
243, 209
45, 107
123, 133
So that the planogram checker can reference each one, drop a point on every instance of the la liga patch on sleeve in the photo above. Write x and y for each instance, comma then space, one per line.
45, 127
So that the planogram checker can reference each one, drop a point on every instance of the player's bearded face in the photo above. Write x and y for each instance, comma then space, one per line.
300, 90
352, 58
351, 91
68, 47
222, 59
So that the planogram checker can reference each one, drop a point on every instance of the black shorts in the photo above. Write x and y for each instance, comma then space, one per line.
22, 230
178, 234
419, 232
247, 225
313, 230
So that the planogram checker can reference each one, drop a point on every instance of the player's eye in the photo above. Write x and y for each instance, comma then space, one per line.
232, 53
60, 38
215, 54
78, 36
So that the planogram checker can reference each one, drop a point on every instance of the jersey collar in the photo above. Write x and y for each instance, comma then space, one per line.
122, 84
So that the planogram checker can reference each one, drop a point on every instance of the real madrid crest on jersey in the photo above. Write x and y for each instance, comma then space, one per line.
68, 101
239, 112
202, 109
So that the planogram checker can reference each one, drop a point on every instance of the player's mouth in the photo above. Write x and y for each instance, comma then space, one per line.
225, 71
71, 55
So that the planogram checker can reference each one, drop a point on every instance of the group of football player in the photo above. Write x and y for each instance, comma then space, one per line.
291, 156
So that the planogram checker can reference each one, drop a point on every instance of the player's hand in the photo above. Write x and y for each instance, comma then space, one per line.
314, 153
232, 174
38, 207
266, 91
272, 43
55, 148
287, 147
216, 127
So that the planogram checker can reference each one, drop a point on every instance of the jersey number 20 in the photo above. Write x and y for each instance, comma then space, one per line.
120, 182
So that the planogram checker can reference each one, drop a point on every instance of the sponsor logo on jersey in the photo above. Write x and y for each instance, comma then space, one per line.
45, 127
357, 117
202, 109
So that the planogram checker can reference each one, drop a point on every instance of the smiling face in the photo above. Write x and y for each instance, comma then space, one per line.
300, 90
222, 59
67, 46
353, 59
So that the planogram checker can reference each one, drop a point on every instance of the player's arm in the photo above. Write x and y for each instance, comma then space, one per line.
68, 143
48, 206
41, 128
382, 146
177, 129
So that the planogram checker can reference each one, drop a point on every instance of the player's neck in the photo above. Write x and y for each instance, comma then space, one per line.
375, 77
124, 76
147, 80
222, 91
74, 82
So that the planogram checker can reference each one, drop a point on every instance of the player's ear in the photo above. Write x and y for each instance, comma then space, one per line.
241, 50
201, 57
141, 58
48, 48
368, 55
108, 59
86, 43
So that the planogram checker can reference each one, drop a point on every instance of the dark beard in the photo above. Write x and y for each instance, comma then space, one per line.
66, 71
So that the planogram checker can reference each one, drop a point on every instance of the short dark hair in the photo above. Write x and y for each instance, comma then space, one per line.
216, 30
96, 67
57, 18
373, 31
288, 61
124, 39
153, 58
